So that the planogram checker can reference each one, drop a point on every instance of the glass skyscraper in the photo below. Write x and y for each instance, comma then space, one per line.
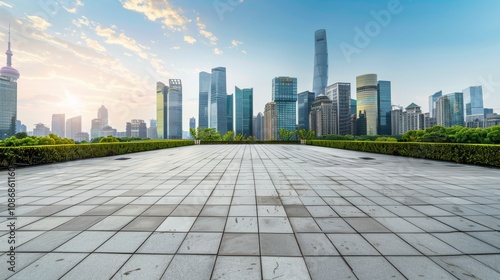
73, 127
285, 97
8, 97
244, 111
174, 110
320, 79
353, 107
456, 108
340, 94
258, 126
366, 95
204, 92
230, 114
304, 103
473, 101
161, 110
384, 107
58, 121
102, 114
218, 100
432, 103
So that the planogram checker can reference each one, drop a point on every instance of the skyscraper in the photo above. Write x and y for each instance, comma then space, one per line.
73, 126
8, 96
443, 113
473, 101
457, 108
285, 97
258, 126
304, 103
397, 120
413, 119
244, 111
366, 95
218, 100
230, 112
192, 123
152, 129
161, 110
322, 118
320, 62
174, 110
58, 121
102, 114
432, 103
95, 128
270, 121
204, 90
384, 107
353, 107
340, 94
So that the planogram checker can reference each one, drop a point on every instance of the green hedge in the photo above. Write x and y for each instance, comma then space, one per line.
31, 155
248, 142
479, 154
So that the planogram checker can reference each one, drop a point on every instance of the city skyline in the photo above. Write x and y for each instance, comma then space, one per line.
112, 56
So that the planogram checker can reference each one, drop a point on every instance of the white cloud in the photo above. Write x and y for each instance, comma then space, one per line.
158, 10
39, 23
203, 32
175, 48
81, 21
235, 43
95, 45
74, 9
3, 4
121, 39
244, 52
218, 51
189, 39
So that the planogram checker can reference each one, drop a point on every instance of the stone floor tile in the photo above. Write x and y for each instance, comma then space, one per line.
465, 267
97, 266
201, 243
315, 244
373, 268
278, 245
240, 244
324, 268
215, 224
59, 264
141, 267
237, 267
177, 224
124, 242
419, 268
242, 224
193, 267
352, 244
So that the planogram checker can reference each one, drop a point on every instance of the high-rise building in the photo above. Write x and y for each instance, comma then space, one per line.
204, 91
413, 119
22, 128
285, 97
161, 110
230, 112
174, 110
8, 96
218, 100
473, 101
353, 107
73, 126
58, 125
152, 129
258, 126
271, 121
487, 111
244, 111
108, 131
428, 121
323, 116
320, 79
95, 128
82, 136
192, 123
432, 103
384, 107
361, 123
136, 128
102, 114
41, 130
304, 103
366, 95
396, 120
443, 113
340, 94
457, 108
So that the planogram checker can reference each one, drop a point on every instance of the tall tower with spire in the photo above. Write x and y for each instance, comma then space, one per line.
320, 79
8, 96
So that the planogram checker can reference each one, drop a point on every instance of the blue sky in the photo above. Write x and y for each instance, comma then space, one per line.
76, 55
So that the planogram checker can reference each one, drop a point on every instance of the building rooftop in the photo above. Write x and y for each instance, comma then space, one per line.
255, 212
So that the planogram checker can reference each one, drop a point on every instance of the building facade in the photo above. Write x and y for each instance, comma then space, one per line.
244, 111
161, 110
473, 103
192, 123
102, 114
413, 119
367, 103
271, 121
304, 103
384, 107
73, 126
320, 79
396, 120
204, 92
95, 128
8, 96
323, 116
340, 94
174, 109
457, 110
218, 100
443, 111
58, 125
41, 130
258, 126
230, 112
285, 97
432, 103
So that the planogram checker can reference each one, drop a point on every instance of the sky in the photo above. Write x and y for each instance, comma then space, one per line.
76, 55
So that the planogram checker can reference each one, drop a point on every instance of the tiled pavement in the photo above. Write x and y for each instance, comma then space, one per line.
255, 212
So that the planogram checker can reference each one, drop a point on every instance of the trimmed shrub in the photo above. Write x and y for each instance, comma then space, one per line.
203, 142
31, 155
479, 154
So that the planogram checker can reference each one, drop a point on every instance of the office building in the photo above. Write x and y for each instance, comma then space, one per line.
192, 123
109, 131
218, 100
102, 114
487, 111
174, 110
397, 120
230, 112
473, 103
428, 121
323, 116
457, 108
353, 107
244, 111
258, 126
20, 127
285, 97
320, 79
8, 96
361, 123
152, 129
384, 108
367, 103
413, 119
41, 130
58, 125
95, 128
340, 94
443, 111
271, 121
73, 126
432, 103
204, 92
161, 110
304, 103
136, 128
82, 136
